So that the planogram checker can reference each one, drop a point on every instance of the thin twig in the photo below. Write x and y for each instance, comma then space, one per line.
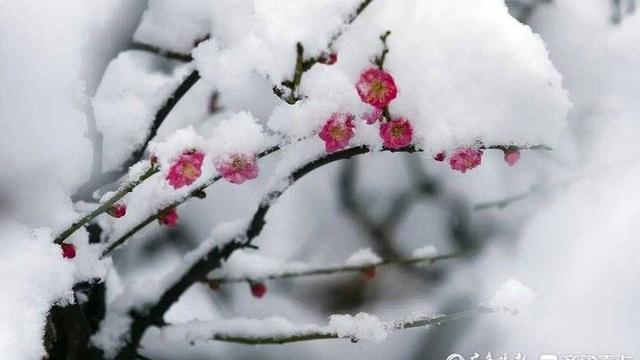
162, 114
379, 60
173, 55
322, 334
124, 189
303, 64
330, 270
197, 192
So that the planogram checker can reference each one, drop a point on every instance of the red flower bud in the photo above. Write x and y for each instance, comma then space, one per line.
332, 58
439, 156
68, 251
258, 290
117, 210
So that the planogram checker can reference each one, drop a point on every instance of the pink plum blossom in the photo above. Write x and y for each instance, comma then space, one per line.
511, 155
465, 159
372, 116
238, 168
117, 210
186, 169
337, 131
396, 133
169, 217
376, 87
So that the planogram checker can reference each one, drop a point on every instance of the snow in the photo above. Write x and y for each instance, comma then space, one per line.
251, 265
264, 41
512, 296
479, 100
239, 133
362, 326
362, 257
328, 90
137, 295
44, 157
174, 25
425, 251
169, 150
252, 328
135, 85
29, 287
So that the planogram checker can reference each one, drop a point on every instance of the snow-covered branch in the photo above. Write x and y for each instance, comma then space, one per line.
212, 253
366, 268
107, 205
303, 63
199, 191
173, 55
162, 114
275, 330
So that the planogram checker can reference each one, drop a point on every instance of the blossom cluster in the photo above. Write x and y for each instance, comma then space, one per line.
377, 88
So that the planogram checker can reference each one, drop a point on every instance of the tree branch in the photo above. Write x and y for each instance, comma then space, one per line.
329, 270
303, 64
212, 259
162, 114
124, 189
153, 315
160, 51
311, 332
199, 190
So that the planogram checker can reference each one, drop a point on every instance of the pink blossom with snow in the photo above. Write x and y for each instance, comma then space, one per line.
376, 87
238, 168
186, 169
465, 159
337, 131
396, 133
372, 116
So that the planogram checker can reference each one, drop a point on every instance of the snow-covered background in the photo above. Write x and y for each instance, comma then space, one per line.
78, 94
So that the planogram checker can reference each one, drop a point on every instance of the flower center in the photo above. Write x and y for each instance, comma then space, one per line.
397, 131
468, 162
378, 89
337, 133
239, 163
190, 172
